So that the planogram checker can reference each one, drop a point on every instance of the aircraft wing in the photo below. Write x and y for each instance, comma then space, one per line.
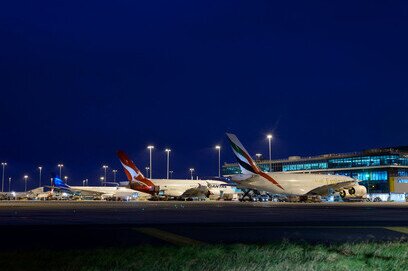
59, 189
139, 182
90, 192
200, 191
87, 192
323, 190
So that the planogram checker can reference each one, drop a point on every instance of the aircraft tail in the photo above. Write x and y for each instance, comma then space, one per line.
131, 171
58, 183
245, 162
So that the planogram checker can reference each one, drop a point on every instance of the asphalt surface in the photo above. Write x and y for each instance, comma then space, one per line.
53, 224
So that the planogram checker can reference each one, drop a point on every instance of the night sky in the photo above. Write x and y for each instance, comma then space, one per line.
82, 79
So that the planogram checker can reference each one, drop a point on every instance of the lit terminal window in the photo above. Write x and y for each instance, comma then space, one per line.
305, 166
372, 176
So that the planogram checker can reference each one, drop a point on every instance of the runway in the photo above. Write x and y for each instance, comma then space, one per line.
82, 224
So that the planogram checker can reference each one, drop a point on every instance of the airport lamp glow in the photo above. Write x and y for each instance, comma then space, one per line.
4, 164
218, 147
60, 169
150, 147
105, 167
114, 174
258, 156
147, 171
191, 172
101, 179
25, 181
168, 161
9, 184
269, 137
39, 181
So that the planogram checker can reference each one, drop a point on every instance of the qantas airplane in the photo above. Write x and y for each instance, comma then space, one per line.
173, 187
105, 192
290, 183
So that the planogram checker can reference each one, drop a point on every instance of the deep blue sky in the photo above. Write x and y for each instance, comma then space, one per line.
81, 79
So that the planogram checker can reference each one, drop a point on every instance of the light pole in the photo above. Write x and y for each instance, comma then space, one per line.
4, 164
9, 184
368, 183
60, 169
147, 171
25, 181
218, 147
150, 147
101, 179
258, 156
66, 179
168, 162
105, 167
114, 175
40, 169
191, 172
171, 174
269, 137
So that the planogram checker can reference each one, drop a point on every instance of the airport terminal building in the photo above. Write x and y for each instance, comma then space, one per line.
380, 170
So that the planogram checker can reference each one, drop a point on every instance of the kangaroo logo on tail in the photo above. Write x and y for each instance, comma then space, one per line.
131, 171
245, 161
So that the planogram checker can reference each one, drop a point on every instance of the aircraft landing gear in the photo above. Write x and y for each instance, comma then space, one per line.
250, 195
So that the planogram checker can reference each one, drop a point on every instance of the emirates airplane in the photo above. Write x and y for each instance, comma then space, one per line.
173, 187
290, 183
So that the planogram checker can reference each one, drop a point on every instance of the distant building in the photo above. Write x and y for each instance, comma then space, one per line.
380, 170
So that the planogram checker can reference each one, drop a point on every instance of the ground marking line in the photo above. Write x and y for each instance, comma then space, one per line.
168, 236
398, 229
306, 227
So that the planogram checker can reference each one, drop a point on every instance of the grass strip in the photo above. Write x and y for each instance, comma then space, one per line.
277, 256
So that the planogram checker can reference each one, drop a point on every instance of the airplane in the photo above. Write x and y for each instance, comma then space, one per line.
31, 194
104, 192
296, 184
173, 188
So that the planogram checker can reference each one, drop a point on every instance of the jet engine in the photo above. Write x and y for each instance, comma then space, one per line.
344, 193
358, 191
354, 192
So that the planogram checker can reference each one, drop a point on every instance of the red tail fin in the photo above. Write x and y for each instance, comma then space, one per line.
132, 172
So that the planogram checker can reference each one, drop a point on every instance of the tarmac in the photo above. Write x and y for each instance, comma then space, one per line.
74, 224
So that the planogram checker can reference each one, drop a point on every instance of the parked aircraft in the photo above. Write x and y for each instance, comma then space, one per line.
173, 187
31, 194
253, 177
104, 192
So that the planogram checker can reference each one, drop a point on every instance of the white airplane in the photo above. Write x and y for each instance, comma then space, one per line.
173, 187
31, 194
290, 183
105, 192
